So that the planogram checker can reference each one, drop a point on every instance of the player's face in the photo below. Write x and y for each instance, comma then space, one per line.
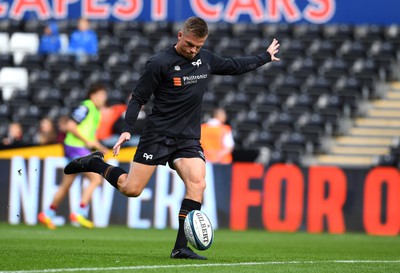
189, 45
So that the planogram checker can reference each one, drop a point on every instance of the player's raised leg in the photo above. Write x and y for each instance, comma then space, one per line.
129, 184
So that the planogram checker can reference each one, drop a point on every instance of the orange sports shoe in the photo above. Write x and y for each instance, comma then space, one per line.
77, 219
46, 221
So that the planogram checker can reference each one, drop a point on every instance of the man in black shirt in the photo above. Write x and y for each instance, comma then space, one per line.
177, 77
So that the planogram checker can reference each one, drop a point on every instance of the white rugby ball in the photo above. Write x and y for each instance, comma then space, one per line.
198, 230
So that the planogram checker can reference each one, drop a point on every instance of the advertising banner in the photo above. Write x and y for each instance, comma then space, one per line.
281, 197
232, 11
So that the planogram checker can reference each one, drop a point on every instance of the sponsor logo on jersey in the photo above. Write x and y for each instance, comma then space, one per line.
148, 156
193, 78
188, 79
177, 81
197, 63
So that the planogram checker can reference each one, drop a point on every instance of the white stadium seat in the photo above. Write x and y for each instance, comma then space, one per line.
11, 79
23, 43
4, 43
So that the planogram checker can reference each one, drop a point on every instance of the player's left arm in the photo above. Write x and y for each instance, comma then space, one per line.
240, 65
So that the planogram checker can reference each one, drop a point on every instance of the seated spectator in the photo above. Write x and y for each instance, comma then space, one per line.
47, 133
14, 137
61, 128
83, 41
50, 41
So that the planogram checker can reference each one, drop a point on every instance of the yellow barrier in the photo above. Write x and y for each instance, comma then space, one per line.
56, 150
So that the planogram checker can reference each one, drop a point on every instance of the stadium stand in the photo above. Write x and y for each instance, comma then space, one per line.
329, 101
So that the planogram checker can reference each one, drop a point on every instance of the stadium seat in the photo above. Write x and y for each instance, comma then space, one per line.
276, 156
40, 78
229, 47
6, 60
279, 31
282, 122
269, 102
23, 43
74, 97
352, 51
293, 49
4, 43
126, 81
392, 34
89, 64
303, 68
116, 96
109, 45
210, 98
288, 84
368, 33
33, 62
57, 63
384, 55
4, 123
263, 138
47, 96
13, 78
69, 79
133, 25
27, 113
101, 27
299, 104
11, 26
314, 135
294, 145
338, 33
103, 76
34, 26
5, 112
368, 72
119, 63
307, 33
334, 68
246, 32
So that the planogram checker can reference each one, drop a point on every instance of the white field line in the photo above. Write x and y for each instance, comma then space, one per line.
142, 267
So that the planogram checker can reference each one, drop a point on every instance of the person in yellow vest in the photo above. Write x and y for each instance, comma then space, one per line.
80, 140
216, 138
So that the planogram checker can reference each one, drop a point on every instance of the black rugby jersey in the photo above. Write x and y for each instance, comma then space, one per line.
178, 86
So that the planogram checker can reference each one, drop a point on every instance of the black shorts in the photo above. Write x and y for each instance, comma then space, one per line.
158, 150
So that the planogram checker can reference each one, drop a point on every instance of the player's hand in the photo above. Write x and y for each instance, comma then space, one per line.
125, 136
273, 49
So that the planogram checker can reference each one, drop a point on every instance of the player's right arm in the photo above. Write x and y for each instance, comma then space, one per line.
145, 87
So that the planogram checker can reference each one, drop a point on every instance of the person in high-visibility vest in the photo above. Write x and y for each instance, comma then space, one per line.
81, 138
216, 138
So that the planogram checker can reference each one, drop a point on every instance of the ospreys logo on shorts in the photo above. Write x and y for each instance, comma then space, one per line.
148, 156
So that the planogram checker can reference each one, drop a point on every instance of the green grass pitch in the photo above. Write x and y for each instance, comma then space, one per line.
120, 249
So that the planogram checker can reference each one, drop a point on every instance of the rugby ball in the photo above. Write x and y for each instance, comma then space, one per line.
198, 230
